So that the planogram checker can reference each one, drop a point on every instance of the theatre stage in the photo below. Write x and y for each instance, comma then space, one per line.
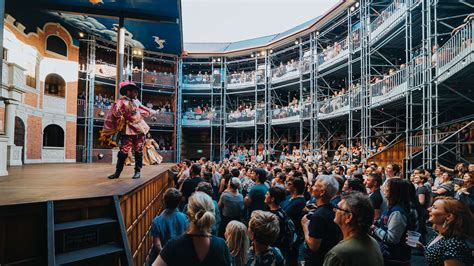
50, 182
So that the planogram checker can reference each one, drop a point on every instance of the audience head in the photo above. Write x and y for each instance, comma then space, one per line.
195, 170
295, 185
451, 218
354, 212
397, 192
235, 172
205, 187
234, 183
353, 184
237, 241
275, 195
264, 227
260, 175
325, 188
171, 198
201, 211
374, 181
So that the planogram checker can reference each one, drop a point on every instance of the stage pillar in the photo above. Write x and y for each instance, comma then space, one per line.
3, 155
13, 152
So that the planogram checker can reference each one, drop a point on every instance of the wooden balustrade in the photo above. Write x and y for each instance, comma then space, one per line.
139, 208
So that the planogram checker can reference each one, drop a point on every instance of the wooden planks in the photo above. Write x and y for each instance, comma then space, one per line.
43, 182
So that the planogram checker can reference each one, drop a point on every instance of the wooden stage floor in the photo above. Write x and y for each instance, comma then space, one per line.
44, 182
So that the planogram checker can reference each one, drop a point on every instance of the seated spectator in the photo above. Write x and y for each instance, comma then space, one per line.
238, 242
263, 231
354, 216
453, 221
208, 249
169, 224
320, 232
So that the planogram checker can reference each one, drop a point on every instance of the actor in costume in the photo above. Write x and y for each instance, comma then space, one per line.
126, 118
150, 151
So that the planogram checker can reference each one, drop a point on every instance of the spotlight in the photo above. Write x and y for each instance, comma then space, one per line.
317, 33
81, 34
213, 60
296, 42
271, 51
252, 55
262, 53
352, 8
357, 4
218, 59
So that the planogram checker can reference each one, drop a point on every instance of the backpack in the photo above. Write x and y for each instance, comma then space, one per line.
288, 237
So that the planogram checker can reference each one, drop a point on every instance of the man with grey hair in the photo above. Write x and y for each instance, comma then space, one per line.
354, 215
320, 232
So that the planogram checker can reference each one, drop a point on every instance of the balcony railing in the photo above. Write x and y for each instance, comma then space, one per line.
355, 39
241, 79
284, 71
333, 52
154, 78
386, 85
458, 46
336, 104
388, 16
246, 117
286, 112
192, 118
161, 118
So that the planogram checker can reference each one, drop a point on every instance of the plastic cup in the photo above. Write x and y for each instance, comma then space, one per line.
413, 238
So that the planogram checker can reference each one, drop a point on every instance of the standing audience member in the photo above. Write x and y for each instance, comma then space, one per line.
354, 215
424, 198
169, 224
263, 231
255, 200
199, 245
320, 232
392, 226
238, 242
373, 183
231, 205
294, 208
189, 185
453, 222
273, 198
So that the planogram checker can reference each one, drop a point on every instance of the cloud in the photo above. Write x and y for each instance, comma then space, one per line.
93, 26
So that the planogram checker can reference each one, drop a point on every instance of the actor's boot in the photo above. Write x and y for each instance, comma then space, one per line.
121, 157
138, 164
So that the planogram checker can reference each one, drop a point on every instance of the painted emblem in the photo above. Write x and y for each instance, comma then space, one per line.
161, 43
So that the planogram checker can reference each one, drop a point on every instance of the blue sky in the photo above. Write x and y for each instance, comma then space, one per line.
234, 20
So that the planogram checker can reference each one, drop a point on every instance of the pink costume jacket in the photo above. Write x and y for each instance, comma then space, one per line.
133, 115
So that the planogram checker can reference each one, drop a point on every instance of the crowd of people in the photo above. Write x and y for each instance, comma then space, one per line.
200, 113
284, 68
198, 78
283, 212
332, 50
244, 112
245, 77
294, 108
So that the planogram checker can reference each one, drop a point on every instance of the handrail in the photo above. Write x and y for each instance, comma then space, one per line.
455, 132
332, 52
388, 83
458, 43
387, 14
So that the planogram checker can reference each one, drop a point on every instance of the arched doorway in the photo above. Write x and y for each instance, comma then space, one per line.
19, 138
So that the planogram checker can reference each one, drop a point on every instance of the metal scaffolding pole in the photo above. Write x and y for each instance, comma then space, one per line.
409, 97
179, 96
224, 110
301, 96
351, 93
267, 109
312, 94
90, 80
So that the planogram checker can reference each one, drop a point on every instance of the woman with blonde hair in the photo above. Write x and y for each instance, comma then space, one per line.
237, 241
198, 244
453, 221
